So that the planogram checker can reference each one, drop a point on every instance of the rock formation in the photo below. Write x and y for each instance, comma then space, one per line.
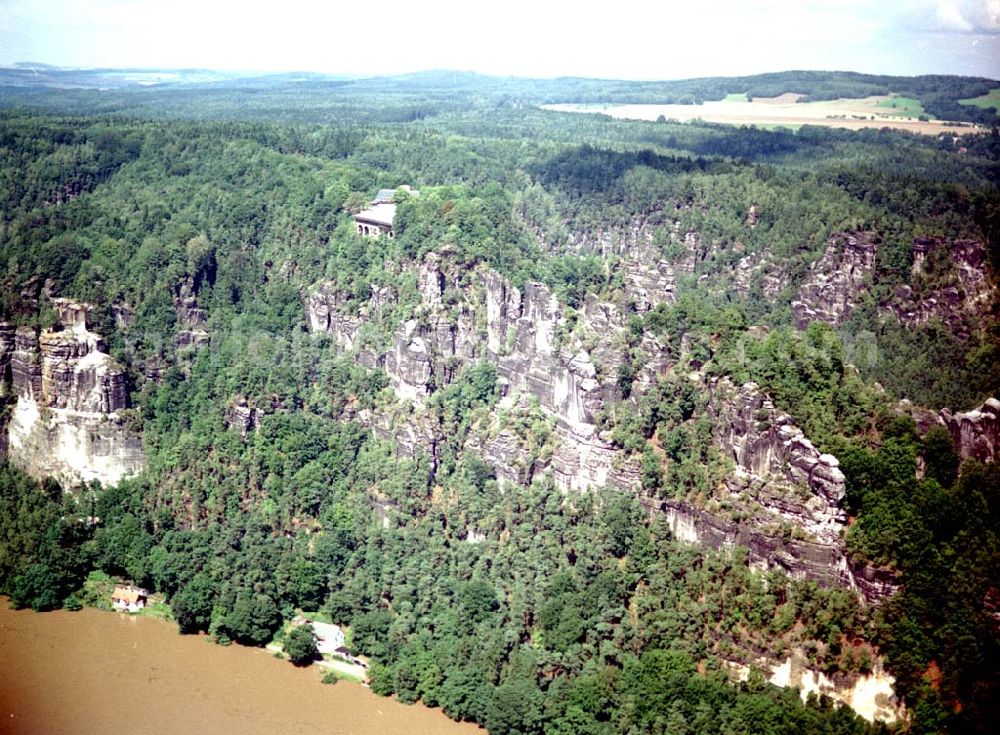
192, 320
241, 416
836, 280
870, 695
759, 270
774, 458
326, 312
69, 418
6, 354
976, 433
786, 496
961, 301
513, 328
650, 286
786, 493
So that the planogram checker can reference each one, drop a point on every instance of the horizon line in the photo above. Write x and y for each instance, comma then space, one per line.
358, 76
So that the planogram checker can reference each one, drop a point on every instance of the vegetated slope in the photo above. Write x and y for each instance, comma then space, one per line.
289, 469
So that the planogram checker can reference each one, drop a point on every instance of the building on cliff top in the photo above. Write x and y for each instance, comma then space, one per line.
377, 219
128, 598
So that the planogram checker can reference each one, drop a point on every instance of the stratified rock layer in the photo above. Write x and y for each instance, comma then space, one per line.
68, 419
782, 483
836, 280
787, 493
775, 460
960, 302
976, 433
192, 321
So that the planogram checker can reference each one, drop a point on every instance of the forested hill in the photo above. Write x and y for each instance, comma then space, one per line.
625, 422
308, 94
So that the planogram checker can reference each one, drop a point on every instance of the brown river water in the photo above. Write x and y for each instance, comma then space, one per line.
101, 672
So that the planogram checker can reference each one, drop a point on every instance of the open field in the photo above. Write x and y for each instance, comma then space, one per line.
991, 100
786, 111
901, 106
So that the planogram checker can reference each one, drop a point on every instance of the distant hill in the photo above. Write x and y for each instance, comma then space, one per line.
939, 94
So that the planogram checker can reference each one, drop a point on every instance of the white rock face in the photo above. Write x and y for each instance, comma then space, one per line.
871, 696
72, 446
683, 526
67, 421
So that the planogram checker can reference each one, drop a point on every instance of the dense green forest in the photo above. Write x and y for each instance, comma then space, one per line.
575, 613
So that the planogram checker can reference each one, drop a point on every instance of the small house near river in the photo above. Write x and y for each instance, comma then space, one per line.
127, 598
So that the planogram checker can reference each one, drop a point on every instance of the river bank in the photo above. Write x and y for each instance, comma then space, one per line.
94, 672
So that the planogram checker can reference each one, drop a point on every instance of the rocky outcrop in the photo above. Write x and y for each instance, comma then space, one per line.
192, 320
871, 695
781, 501
326, 310
70, 420
960, 302
824, 562
7, 337
958, 298
775, 462
412, 434
521, 332
759, 270
615, 241
515, 329
648, 286
241, 416
576, 461
123, 315
507, 455
586, 462
976, 433
836, 280
783, 494
6, 399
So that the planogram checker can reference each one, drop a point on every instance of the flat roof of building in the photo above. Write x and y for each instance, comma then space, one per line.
378, 214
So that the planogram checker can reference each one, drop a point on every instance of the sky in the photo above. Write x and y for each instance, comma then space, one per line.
625, 39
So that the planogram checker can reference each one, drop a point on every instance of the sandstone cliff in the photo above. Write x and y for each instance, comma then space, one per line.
781, 497
976, 433
68, 419
836, 280
959, 298
870, 695
192, 320
784, 498
957, 293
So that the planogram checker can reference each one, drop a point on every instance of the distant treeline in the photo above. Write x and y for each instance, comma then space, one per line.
409, 97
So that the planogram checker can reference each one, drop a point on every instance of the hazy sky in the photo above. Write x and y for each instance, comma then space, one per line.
623, 38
